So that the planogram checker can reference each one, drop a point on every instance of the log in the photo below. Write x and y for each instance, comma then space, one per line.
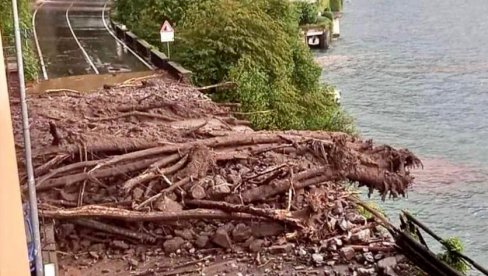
99, 212
103, 173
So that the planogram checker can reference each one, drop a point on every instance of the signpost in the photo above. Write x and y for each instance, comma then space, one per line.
167, 34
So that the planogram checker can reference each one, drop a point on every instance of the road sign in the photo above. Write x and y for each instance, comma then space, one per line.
167, 32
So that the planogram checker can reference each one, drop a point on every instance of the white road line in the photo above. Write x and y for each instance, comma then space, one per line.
87, 57
120, 41
39, 52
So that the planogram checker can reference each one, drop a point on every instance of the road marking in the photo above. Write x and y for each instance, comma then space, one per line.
39, 52
120, 41
87, 57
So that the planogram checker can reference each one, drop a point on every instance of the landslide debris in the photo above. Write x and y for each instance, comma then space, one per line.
155, 168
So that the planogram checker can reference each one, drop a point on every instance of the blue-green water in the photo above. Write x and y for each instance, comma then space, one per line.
415, 74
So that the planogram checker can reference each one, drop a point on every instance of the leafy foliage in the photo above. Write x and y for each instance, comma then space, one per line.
8, 38
336, 5
308, 12
255, 43
452, 245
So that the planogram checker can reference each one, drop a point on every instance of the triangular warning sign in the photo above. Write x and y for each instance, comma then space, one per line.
166, 28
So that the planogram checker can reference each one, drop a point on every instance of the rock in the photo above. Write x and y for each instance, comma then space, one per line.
185, 234
347, 252
221, 238
137, 193
197, 192
318, 258
241, 232
133, 262
328, 271
386, 266
168, 205
361, 236
256, 245
202, 241
378, 256
220, 188
94, 255
368, 256
266, 229
280, 249
120, 244
366, 271
173, 244
97, 247
302, 252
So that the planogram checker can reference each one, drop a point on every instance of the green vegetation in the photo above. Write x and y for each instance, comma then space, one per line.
7, 29
255, 43
452, 245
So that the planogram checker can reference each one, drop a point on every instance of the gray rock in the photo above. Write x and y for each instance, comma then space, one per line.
241, 232
302, 252
173, 244
266, 229
366, 271
280, 249
318, 258
386, 266
347, 252
202, 241
368, 256
120, 244
221, 238
361, 236
168, 205
185, 234
256, 245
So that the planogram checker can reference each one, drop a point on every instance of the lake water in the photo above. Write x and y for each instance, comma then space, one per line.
415, 74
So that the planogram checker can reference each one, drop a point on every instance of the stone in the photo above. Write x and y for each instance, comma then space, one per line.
185, 234
368, 256
167, 205
221, 187
256, 245
266, 229
241, 232
378, 256
202, 241
133, 262
366, 271
137, 193
94, 255
170, 246
318, 258
347, 252
221, 238
386, 265
302, 252
280, 249
361, 236
120, 244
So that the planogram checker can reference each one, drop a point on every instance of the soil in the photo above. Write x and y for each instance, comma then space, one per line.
150, 177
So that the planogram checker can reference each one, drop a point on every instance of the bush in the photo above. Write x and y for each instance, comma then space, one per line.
336, 5
308, 12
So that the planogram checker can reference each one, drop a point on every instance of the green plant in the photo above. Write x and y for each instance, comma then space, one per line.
307, 12
336, 5
7, 29
452, 246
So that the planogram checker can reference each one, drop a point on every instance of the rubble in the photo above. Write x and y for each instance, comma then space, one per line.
162, 167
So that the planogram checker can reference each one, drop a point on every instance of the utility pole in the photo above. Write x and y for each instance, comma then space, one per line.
27, 146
